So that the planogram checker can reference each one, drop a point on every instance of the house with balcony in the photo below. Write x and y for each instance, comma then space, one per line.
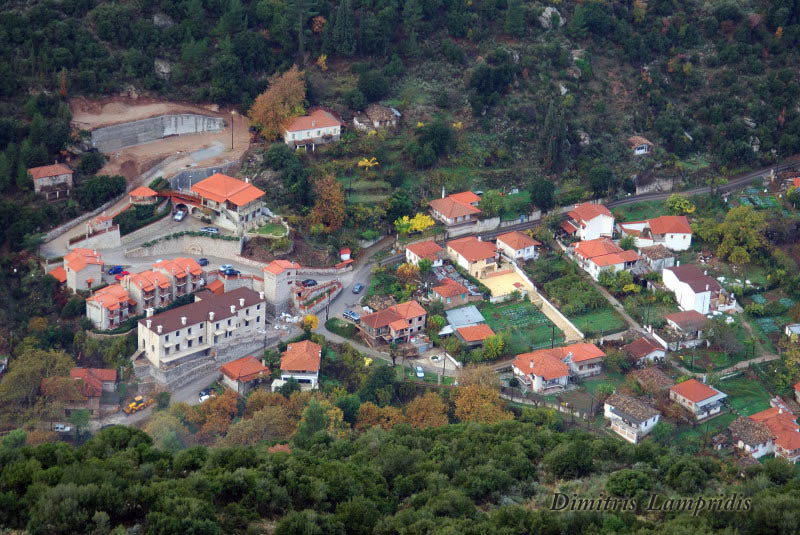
301, 362
395, 324
52, 181
148, 289
429, 250
184, 275
602, 254
82, 269
550, 370
244, 374
202, 329
456, 209
671, 231
696, 290
701, 400
234, 204
317, 128
109, 307
589, 221
773, 431
629, 417
478, 258
518, 246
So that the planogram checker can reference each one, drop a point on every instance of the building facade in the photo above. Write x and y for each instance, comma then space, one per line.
109, 307
317, 128
518, 246
478, 258
233, 203
589, 221
702, 400
630, 418
52, 181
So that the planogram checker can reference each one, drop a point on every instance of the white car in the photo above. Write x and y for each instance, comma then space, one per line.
62, 428
420, 372
179, 215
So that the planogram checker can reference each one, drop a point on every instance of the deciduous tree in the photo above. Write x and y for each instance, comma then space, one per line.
329, 204
426, 411
476, 403
268, 424
407, 272
370, 415
279, 104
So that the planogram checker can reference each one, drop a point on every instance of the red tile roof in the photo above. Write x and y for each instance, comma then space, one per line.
216, 287
49, 170
782, 424
316, 119
143, 191
598, 247
694, 390
450, 288
672, 224
403, 311
473, 249
587, 211
425, 249
542, 364
690, 320
148, 280
569, 227
180, 267
475, 333
94, 378
245, 369
615, 258
79, 258
451, 208
797, 387
279, 266
59, 273
641, 347
221, 188
111, 297
465, 197
517, 240
580, 352
635, 141
302, 356
280, 448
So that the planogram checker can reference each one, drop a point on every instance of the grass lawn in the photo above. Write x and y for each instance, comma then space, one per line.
530, 329
272, 229
745, 395
714, 426
605, 378
411, 375
448, 380
598, 322
641, 210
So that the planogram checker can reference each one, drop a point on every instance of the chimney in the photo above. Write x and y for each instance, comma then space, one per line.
233, 309
261, 295
442, 192
183, 320
160, 328
678, 263
705, 272
706, 287
210, 316
531, 363
780, 411
149, 312
149, 322
313, 124
241, 301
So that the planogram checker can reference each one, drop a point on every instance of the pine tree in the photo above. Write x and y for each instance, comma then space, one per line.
412, 16
24, 180
343, 39
6, 171
515, 19
553, 141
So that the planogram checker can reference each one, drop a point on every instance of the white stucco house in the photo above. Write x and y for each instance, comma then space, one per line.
317, 128
629, 417
589, 221
429, 250
671, 231
518, 246
696, 290
550, 370
702, 400
301, 361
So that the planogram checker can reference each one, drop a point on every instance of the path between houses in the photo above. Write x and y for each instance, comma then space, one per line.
618, 306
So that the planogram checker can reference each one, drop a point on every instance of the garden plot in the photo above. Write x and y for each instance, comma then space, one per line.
529, 327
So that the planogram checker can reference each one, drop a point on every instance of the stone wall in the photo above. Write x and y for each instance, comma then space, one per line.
194, 245
186, 179
119, 136
107, 240
484, 225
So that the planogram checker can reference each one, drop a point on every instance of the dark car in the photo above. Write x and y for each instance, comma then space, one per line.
308, 283
231, 272
116, 270
203, 261
357, 288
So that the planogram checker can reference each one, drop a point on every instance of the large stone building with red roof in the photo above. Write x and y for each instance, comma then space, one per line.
82, 269
109, 307
317, 128
395, 324
589, 221
549, 370
280, 277
52, 181
235, 204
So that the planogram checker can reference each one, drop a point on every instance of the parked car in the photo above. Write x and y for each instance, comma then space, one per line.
179, 215
308, 283
204, 395
231, 272
122, 274
225, 267
203, 261
420, 372
62, 428
210, 230
116, 270
357, 288
352, 316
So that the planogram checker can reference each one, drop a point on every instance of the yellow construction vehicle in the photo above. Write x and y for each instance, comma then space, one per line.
138, 404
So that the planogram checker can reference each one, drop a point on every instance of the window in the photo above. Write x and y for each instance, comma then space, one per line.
166, 351
189, 343
216, 338
246, 323
166, 338
177, 347
190, 330
201, 325
217, 325
448, 300
201, 339
258, 319
410, 321
229, 323
177, 333
258, 307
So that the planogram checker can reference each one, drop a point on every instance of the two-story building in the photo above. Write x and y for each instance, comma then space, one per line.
52, 181
109, 307
772, 431
184, 274
148, 289
702, 400
671, 231
83, 269
429, 250
549, 370
657, 257
518, 246
301, 362
234, 204
456, 209
478, 257
280, 277
696, 290
244, 374
92, 389
589, 221
629, 417
209, 324
317, 128
450, 293
602, 254
395, 324
685, 329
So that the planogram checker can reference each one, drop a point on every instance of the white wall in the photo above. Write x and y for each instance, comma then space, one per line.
601, 225
686, 297
301, 135
677, 242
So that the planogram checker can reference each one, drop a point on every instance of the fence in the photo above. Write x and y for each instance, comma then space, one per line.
539, 401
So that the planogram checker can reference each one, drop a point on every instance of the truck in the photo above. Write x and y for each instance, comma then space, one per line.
138, 404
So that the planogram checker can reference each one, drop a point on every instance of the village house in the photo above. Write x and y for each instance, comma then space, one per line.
657, 257
395, 324
52, 181
771, 431
474, 335
184, 274
429, 250
232, 203
589, 221
792, 330
629, 417
109, 307
143, 196
212, 322
244, 374
479, 258
148, 289
456, 209
602, 254
375, 117
96, 391
317, 128
450, 293
639, 146
671, 231
696, 290
652, 380
702, 400
82, 269
550, 369
686, 329
518, 246
280, 277
645, 349
301, 362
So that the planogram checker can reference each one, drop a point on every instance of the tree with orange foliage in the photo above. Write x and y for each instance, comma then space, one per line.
267, 424
261, 399
370, 415
329, 205
427, 411
215, 415
407, 272
479, 374
476, 403
282, 101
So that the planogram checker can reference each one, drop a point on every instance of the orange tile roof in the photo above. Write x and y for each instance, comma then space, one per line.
465, 197
598, 247
403, 311
782, 424
180, 266
110, 297
450, 288
542, 364
475, 333
301, 356
316, 119
473, 249
587, 211
143, 191
451, 208
49, 170
279, 266
245, 369
94, 378
642, 346
672, 224
280, 448
546, 357
398, 325
102, 218
615, 258
147, 280
79, 258
59, 273
694, 390
425, 249
517, 240
569, 227
216, 287
221, 188
797, 387
635, 141
580, 352
796, 181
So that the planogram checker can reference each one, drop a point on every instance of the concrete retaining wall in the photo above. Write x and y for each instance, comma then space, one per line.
484, 225
153, 229
195, 245
107, 240
119, 136
324, 271
186, 179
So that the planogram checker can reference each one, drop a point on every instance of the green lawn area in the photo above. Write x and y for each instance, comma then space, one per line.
341, 327
714, 426
641, 210
411, 375
605, 378
529, 328
272, 229
599, 322
448, 380
745, 395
